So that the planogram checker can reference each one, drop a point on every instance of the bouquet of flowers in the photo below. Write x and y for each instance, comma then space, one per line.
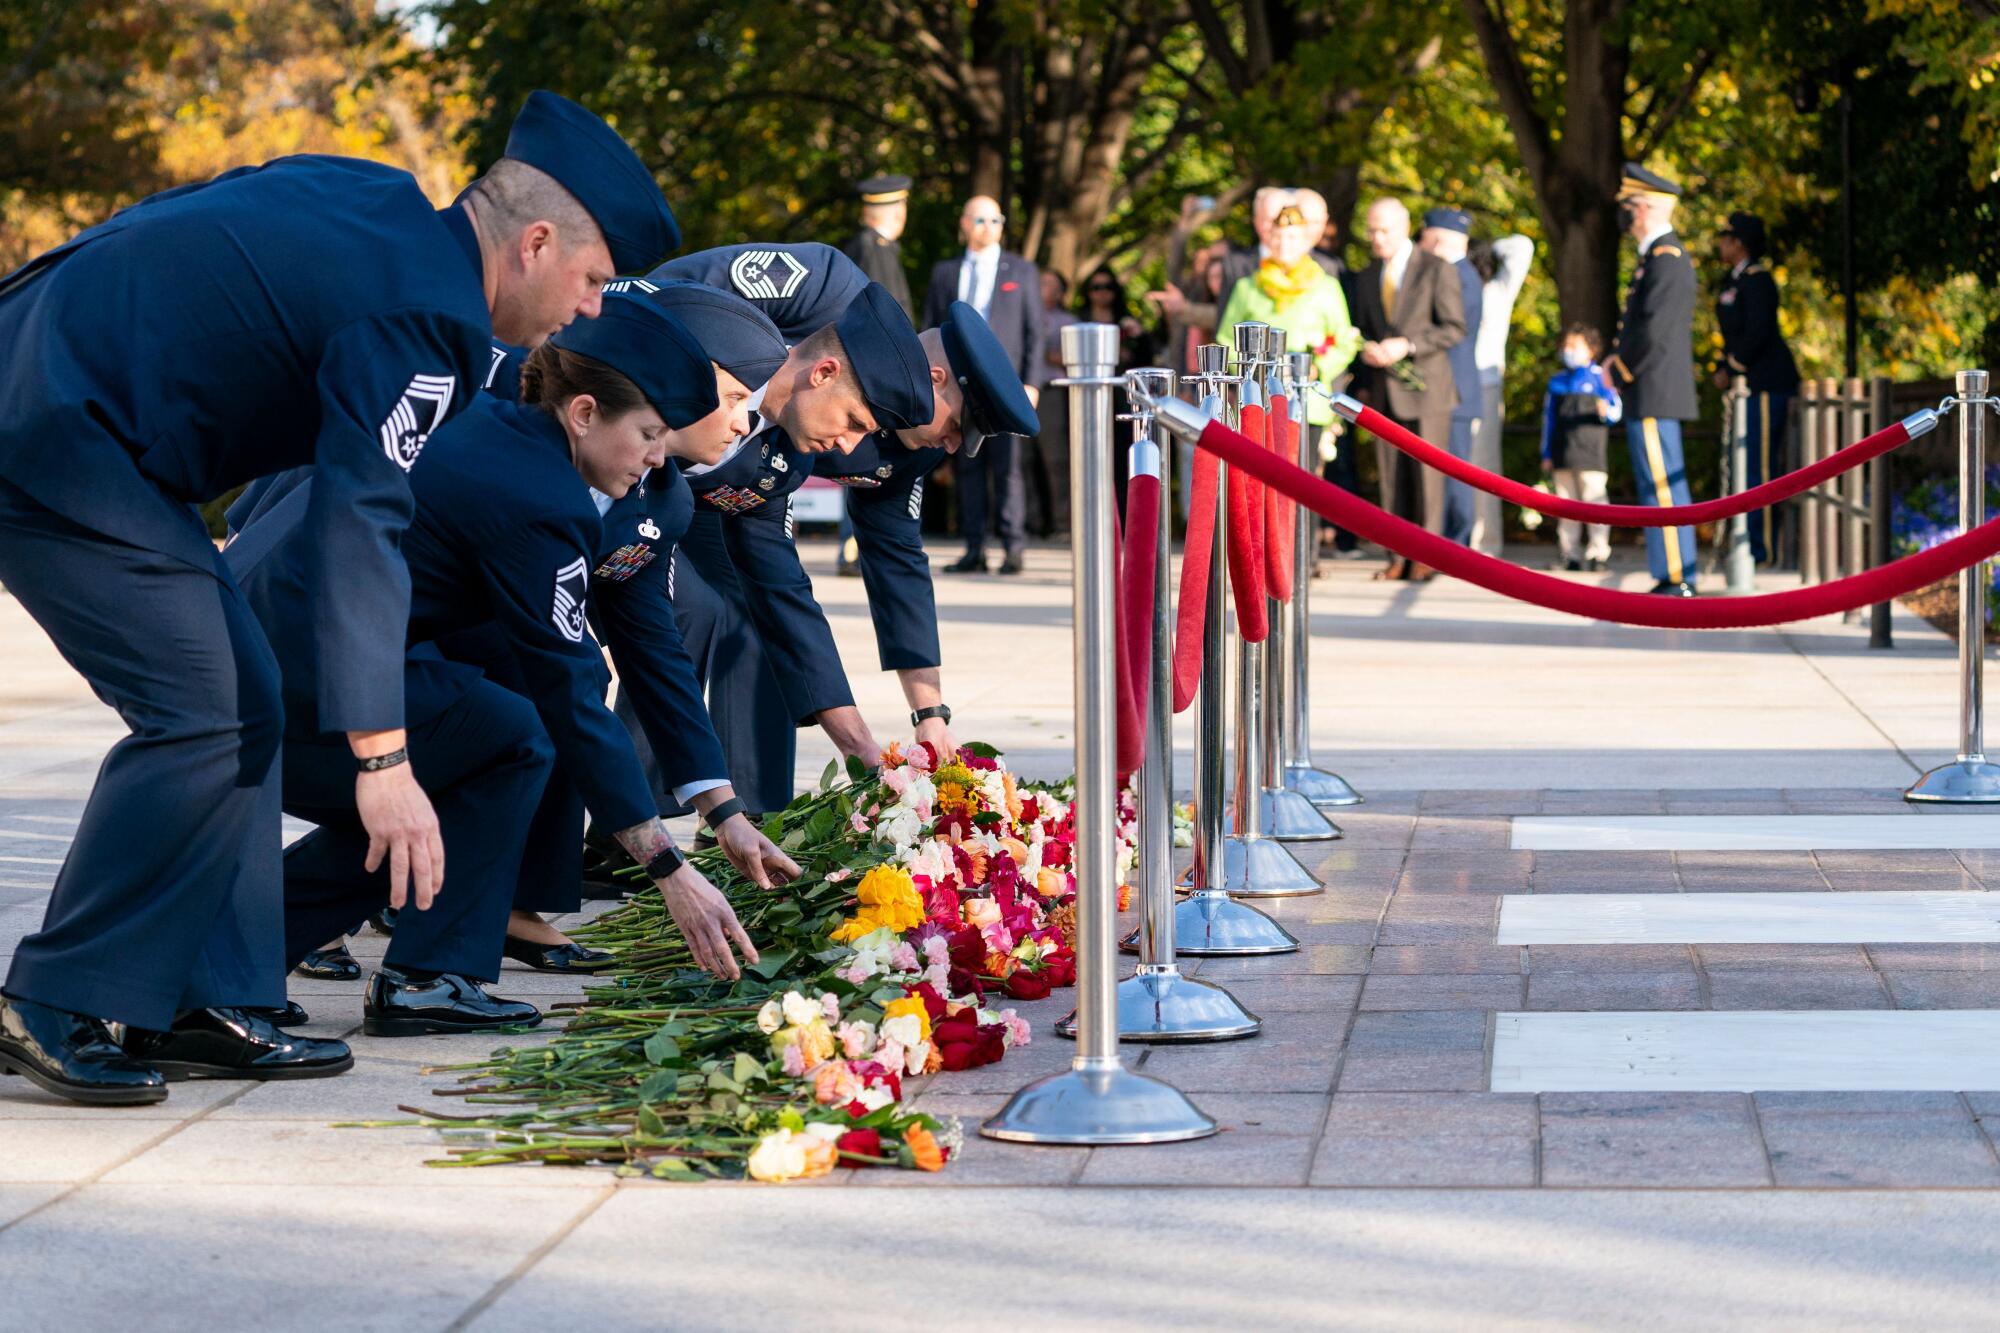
932, 888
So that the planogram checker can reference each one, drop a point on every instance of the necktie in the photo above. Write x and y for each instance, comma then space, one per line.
1388, 293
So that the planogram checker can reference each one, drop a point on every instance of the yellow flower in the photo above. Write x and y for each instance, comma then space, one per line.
912, 1005
952, 799
889, 896
861, 923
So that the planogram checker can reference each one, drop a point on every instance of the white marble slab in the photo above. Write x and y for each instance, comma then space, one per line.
1755, 833
1948, 916
1848, 1050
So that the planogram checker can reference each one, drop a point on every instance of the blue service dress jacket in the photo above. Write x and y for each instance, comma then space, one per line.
314, 310
506, 535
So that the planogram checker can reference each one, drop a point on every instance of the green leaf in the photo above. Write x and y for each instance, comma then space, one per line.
673, 1168
826, 778
658, 1087
856, 770
748, 1067
792, 1120
979, 748
661, 1048
768, 965
650, 1123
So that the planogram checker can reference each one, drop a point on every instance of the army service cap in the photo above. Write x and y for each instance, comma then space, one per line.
654, 350
1639, 181
884, 189
590, 160
887, 359
995, 401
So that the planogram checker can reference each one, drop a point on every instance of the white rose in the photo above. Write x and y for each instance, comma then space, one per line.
799, 1011
903, 1029
770, 1018
820, 1129
777, 1157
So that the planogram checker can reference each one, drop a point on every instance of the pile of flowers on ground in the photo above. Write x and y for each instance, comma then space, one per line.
933, 890
1927, 515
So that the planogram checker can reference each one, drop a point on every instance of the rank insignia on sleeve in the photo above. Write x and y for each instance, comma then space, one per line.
624, 562
419, 411
571, 582
767, 274
732, 499
649, 530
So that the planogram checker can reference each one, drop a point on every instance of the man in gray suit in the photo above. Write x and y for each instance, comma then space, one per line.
1409, 309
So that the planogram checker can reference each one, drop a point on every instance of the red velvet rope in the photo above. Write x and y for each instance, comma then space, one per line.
1191, 611
1634, 516
1280, 512
1246, 540
1135, 618
1881, 584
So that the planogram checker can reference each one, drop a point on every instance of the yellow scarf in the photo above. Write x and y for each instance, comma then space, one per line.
1286, 285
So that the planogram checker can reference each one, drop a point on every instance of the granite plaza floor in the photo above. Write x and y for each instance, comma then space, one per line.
1538, 1064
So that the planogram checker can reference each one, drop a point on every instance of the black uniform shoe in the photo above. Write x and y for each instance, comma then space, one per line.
1597, 566
967, 564
384, 921
1013, 564
290, 1014
401, 1005
1573, 566
1669, 588
73, 1056
566, 957
600, 872
335, 964
236, 1043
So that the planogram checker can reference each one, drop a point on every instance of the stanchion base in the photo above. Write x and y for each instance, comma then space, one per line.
1212, 924
1095, 1107
1263, 868
1319, 786
1970, 781
1290, 817
1166, 1006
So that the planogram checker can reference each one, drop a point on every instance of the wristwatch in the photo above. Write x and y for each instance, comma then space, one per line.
665, 863
923, 715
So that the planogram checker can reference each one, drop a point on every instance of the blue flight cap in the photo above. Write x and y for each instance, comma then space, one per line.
1450, 219
586, 156
652, 349
995, 402
887, 360
736, 335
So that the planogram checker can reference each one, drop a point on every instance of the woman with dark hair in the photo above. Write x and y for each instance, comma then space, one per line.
506, 550
1102, 300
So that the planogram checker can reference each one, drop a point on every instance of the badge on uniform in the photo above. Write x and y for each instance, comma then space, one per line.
649, 529
1727, 298
766, 483
416, 414
769, 275
626, 561
732, 499
886, 471
778, 463
571, 582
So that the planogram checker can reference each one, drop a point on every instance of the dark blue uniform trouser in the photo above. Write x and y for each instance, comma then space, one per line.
992, 497
1458, 497
759, 738
483, 761
169, 899
1660, 472
1765, 450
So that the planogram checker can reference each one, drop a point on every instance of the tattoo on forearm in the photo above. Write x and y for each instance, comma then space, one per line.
643, 842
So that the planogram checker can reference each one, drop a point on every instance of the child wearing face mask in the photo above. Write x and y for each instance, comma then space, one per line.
1577, 414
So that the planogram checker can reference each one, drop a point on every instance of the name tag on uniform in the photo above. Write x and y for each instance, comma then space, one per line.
624, 562
733, 499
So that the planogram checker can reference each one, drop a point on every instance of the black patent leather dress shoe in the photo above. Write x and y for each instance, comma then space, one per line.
335, 964
568, 956
236, 1043
384, 922
967, 564
1670, 588
73, 1056
290, 1014
400, 1005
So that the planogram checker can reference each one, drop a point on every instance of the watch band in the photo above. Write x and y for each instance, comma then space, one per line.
728, 810
665, 863
923, 715
375, 763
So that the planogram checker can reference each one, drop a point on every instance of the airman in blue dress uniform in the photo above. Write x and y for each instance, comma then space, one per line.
1753, 346
508, 541
313, 310
1653, 368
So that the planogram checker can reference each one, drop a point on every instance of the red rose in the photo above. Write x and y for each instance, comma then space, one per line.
866, 1142
933, 1002
968, 949
992, 1042
964, 981
1026, 985
960, 1055
956, 1029
1055, 854
1061, 969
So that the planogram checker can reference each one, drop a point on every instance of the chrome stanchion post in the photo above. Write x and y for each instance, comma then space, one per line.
1970, 779
1286, 815
1208, 922
1158, 1003
1321, 787
1254, 865
1097, 1101
1739, 566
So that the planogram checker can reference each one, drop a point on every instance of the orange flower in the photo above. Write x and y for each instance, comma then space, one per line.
1050, 884
1124, 897
821, 1156
893, 757
1017, 849
977, 856
1001, 965
933, 1063
1013, 806
924, 1150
